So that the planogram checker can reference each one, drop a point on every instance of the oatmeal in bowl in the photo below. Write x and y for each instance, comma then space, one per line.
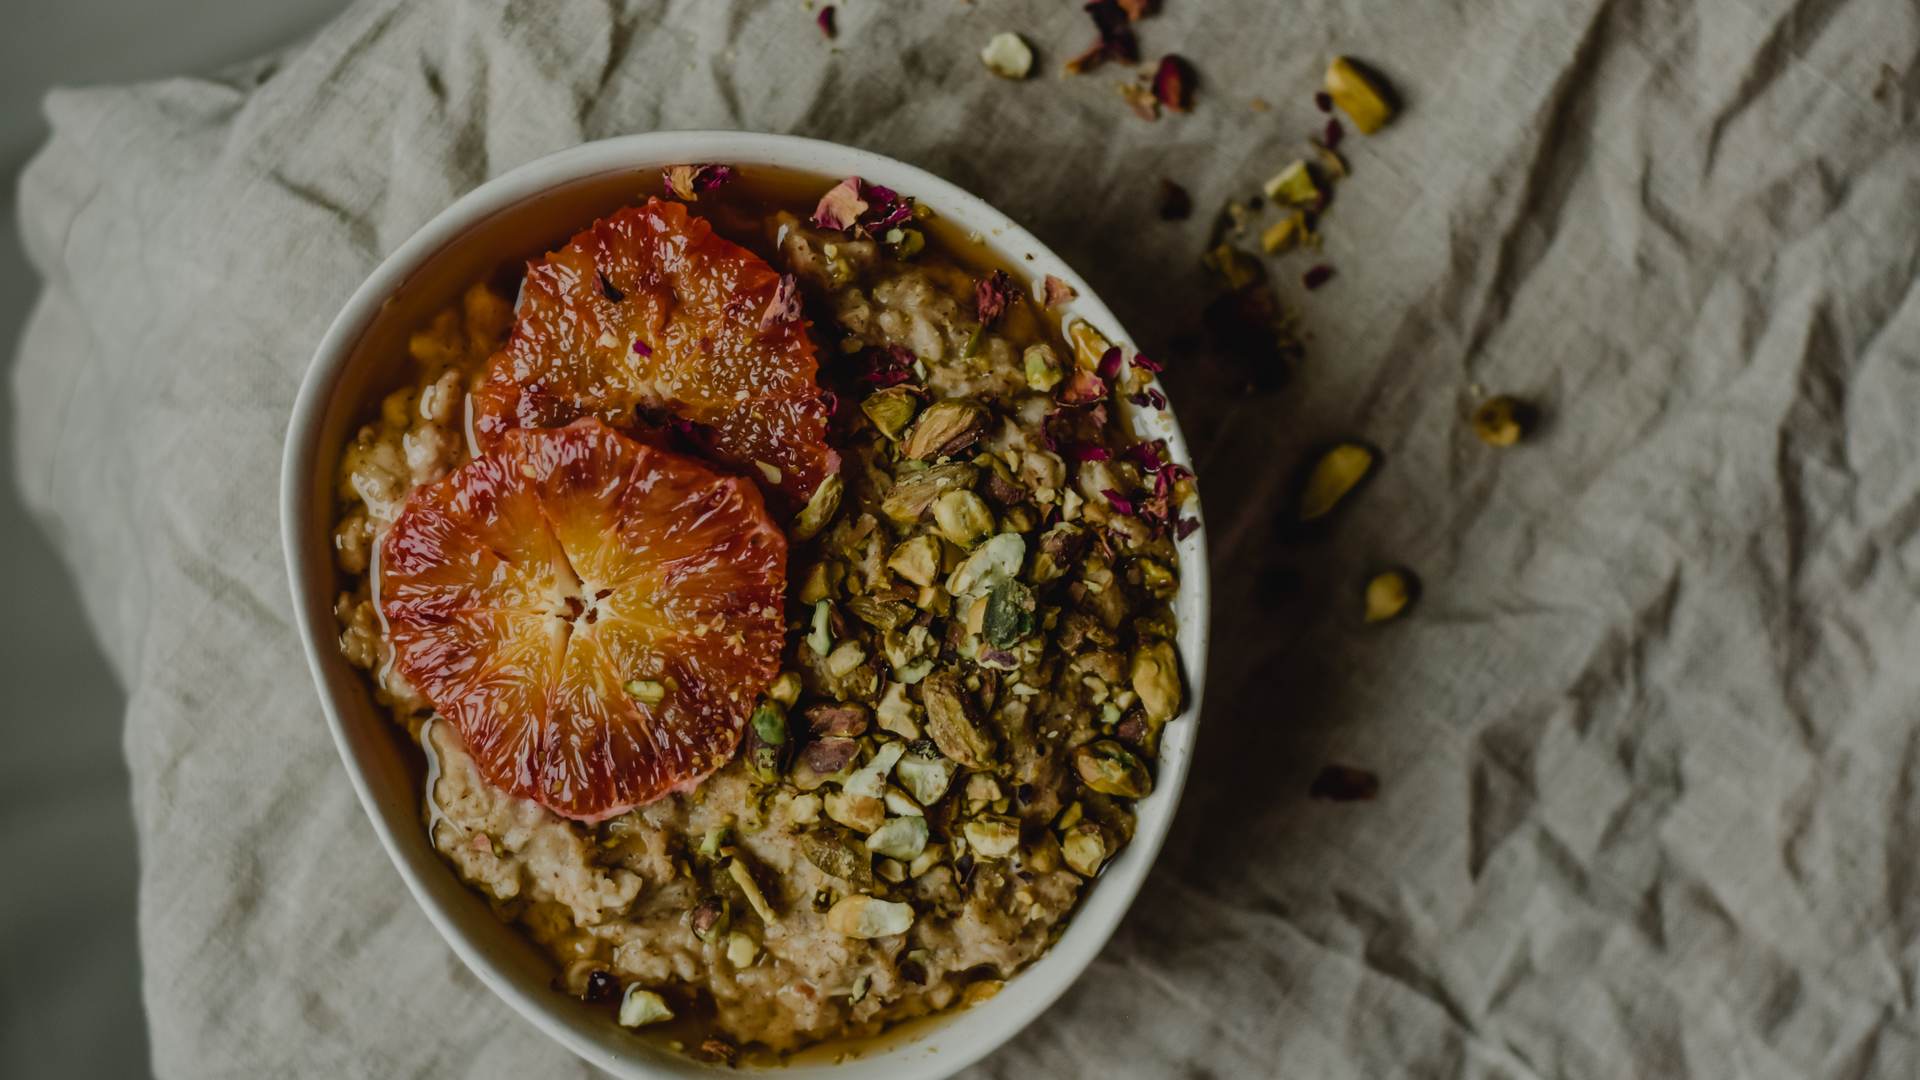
776, 579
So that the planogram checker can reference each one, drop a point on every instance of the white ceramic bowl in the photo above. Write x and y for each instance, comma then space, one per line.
533, 208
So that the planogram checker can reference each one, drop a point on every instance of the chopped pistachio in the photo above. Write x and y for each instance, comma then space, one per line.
737, 870
995, 561
1501, 421
859, 991
925, 778
992, 837
1007, 55
951, 723
804, 809
785, 688
899, 838
945, 429
891, 870
820, 508
770, 723
1235, 267
963, 518
861, 813
900, 803
977, 992
1155, 677
837, 854
1331, 160
982, 788
927, 860
1089, 345
1388, 594
711, 917
742, 950
891, 409
1070, 816
860, 916
1042, 366
1284, 233
770, 471
844, 658
821, 639
1337, 472
898, 713
914, 492
1009, 614
870, 780
819, 581
1363, 100
917, 559
640, 1007
1112, 769
1294, 184
647, 691
1084, 848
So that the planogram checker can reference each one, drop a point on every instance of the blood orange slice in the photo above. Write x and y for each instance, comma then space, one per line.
594, 616
649, 308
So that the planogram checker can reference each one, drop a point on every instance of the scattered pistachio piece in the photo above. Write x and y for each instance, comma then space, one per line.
1501, 421
821, 639
1042, 367
860, 916
914, 492
844, 658
1334, 476
945, 429
737, 870
951, 723
785, 689
1283, 233
820, 508
900, 838
711, 918
647, 691
1085, 848
859, 991
1388, 594
1155, 676
1294, 184
870, 780
742, 950
917, 559
861, 813
770, 724
891, 409
1112, 769
995, 561
1008, 56
1360, 97
963, 518
1236, 268
992, 837
926, 779
640, 1007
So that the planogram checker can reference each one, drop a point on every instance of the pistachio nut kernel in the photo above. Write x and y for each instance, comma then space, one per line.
742, 950
901, 838
913, 493
785, 688
711, 918
844, 658
977, 992
1007, 55
991, 836
925, 778
870, 780
640, 1007
1388, 594
991, 563
1154, 675
861, 813
820, 508
860, 916
945, 429
917, 560
1294, 184
898, 714
891, 410
951, 723
1042, 366
1501, 421
1059, 547
1334, 476
1084, 848
1360, 97
1284, 233
1111, 769
750, 888
963, 518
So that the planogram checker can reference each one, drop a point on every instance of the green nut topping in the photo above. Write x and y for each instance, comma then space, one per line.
820, 508
647, 691
770, 724
914, 492
945, 429
821, 639
1084, 848
1111, 769
992, 836
891, 410
917, 560
1042, 366
900, 838
962, 517
951, 723
1155, 676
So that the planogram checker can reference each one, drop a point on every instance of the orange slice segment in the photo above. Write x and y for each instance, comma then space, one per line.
595, 616
651, 309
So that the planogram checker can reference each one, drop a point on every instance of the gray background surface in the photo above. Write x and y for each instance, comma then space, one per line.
69, 969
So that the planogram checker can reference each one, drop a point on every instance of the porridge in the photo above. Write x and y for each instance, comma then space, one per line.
787, 635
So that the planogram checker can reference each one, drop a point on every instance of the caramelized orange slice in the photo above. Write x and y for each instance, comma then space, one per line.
595, 616
650, 309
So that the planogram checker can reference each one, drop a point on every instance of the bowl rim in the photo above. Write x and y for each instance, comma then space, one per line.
1041, 982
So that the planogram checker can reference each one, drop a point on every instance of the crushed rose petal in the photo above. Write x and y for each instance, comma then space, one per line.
1089, 452
688, 181
1141, 100
1317, 276
1057, 293
1120, 502
642, 347
1115, 41
1184, 527
1173, 83
841, 206
1109, 364
824, 21
1323, 101
992, 295
784, 307
1083, 388
890, 366
1141, 360
1333, 134
888, 209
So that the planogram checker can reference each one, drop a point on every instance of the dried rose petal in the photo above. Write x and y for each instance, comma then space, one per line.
890, 366
1323, 101
1333, 134
1083, 388
1140, 360
1175, 203
1058, 293
1344, 783
991, 295
841, 206
1089, 452
688, 181
824, 21
1173, 83
1147, 455
1184, 527
1119, 501
1317, 276
888, 209
1109, 364
784, 307
642, 347
1115, 35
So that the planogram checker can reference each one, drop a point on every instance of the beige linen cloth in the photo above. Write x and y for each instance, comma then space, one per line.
1649, 744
